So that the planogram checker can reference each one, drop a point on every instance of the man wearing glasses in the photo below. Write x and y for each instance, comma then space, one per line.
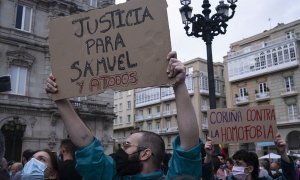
142, 154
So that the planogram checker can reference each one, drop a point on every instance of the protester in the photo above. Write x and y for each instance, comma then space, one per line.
275, 170
66, 168
229, 166
142, 151
264, 169
15, 171
4, 169
26, 156
221, 172
246, 165
42, 165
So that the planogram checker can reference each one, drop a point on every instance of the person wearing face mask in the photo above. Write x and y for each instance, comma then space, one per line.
143, 151
275, 170
246, 164
66, 168
42, 166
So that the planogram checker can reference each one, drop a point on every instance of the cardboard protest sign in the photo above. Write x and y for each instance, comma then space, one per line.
120, 47
242, 125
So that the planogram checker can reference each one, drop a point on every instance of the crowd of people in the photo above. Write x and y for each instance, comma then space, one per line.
263, 169
142, 155
42, 165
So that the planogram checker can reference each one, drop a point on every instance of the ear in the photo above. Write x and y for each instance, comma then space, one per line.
250, 169
145, 155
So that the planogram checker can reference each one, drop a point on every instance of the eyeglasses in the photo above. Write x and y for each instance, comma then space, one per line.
126, 145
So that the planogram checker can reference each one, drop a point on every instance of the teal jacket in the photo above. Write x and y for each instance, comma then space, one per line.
93, 164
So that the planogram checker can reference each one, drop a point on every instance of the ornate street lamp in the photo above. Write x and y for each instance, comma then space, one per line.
207, 27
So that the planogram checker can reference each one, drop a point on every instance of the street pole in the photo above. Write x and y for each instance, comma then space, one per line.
207, 27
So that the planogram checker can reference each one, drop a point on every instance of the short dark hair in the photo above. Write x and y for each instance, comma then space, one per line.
230, 160
27, 154
250, 158
154, 142
68, 145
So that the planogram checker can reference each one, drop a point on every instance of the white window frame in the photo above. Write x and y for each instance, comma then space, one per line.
93, 3
289, 83
24, 15
168, 123
262, 88
243, 92
16, 80
292, 111
157, 125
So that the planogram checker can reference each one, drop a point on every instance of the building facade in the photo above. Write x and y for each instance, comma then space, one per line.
28, 118
155, 108
262, 70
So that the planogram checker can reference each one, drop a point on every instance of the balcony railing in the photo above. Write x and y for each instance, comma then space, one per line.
92, 107
291, 91
204, 108
242, 100
262, 96
170, 112
172, 129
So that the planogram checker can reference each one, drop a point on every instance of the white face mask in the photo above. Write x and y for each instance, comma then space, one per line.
239, 172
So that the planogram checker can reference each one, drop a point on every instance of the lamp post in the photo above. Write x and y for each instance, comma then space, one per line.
207, 27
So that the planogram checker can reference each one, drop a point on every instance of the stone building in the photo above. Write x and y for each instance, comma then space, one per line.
264, 69
155, 108
28, 118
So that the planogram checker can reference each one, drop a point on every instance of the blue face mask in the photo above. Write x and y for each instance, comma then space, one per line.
33, 170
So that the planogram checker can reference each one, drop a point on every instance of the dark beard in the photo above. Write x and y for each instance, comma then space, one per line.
125, 165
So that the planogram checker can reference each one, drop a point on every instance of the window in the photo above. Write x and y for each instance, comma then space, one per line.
140, 112
18, 79
289, 83
93, 3
149, 111
168, 124
290, 35
280, 55
120, 107
243, 92
263, 87
23, 18
292, 111
157, 125
292, 52
274, 56
120, 119
158, 109
128, 118
149, 126
128, 104
116, 108
190, 71
204, 82
167, 107
286, 53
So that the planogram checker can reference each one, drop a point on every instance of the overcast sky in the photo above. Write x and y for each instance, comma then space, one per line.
252, 17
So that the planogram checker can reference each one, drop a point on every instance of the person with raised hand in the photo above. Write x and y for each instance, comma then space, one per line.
142, 153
